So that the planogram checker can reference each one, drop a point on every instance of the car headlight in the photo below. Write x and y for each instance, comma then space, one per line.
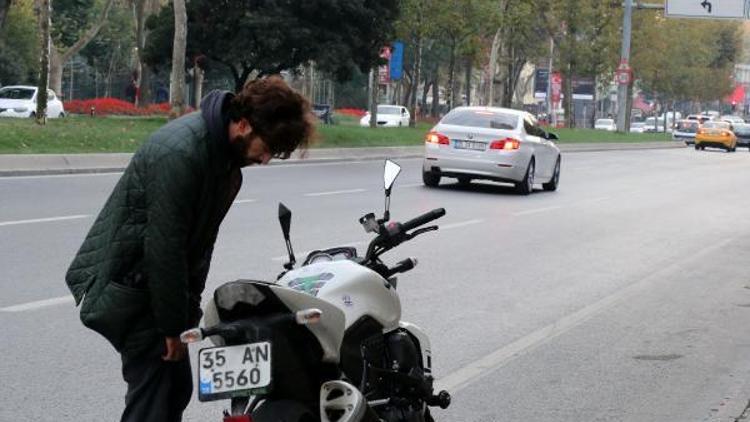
21, 109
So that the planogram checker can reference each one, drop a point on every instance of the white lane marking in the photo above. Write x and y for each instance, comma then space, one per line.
245, 201
535, 211
56, 176
30, 306
336, 192
365, 242
462, 377
44, 220
410, 185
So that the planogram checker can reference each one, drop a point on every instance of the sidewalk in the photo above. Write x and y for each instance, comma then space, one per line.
45, 164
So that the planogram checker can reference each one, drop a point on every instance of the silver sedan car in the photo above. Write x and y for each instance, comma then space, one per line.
489, 143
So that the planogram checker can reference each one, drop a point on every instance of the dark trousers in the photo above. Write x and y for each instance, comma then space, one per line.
158, 391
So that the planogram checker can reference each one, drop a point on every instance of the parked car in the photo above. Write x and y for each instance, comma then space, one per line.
388, 116
742, 132
732, 119
605, 124
637, 127
702, 118
652, 124
20, 101
716, 134
685, 131
490, 143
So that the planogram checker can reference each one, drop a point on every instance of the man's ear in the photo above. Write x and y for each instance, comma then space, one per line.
244, 127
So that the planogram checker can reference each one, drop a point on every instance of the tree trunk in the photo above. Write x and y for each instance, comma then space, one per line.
452, 77
467, 86
43, 12
415, 84
197, 85
56, 67
142, 9
568, 93
59, 57
425, 90
493, 68
4, 7
177, 78
593, 115
435, 111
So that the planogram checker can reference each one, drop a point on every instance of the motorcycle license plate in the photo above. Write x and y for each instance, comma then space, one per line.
231, 371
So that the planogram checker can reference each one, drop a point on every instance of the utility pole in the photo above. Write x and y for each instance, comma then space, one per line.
624, 74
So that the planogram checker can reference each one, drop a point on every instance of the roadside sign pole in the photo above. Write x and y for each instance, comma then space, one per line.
623, 125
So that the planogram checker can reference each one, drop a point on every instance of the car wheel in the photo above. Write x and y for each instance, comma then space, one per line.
61, 115
555, 181
697, 147
430, 179
526, 186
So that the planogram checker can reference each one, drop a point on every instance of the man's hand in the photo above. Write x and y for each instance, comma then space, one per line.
176, 350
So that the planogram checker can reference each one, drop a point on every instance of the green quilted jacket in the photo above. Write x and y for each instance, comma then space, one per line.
143, 265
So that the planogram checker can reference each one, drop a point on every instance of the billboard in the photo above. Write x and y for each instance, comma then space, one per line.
397, 60
707, 9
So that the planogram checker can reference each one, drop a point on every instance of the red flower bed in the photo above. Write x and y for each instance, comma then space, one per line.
108, 106
356, 112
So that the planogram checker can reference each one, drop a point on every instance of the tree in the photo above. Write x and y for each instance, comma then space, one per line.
75, 24
19, 47
109, 53
177, 80
4, 7
264, 37
671, 71
460, 23
43, 12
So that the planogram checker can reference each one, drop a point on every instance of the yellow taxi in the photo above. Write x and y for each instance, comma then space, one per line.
716, 134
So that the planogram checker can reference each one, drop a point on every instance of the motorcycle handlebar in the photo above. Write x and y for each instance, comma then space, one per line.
423, 219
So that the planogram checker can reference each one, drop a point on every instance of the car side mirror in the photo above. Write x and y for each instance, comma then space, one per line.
552, 136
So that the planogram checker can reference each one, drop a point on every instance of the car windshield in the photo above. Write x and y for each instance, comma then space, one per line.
605, 122
389, 110
691, 126
742, 128
716, 125
16, 93
481, 118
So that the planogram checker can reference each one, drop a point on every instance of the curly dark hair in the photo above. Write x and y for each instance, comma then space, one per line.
277, 113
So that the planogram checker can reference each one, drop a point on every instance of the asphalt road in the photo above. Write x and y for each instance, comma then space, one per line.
624, 296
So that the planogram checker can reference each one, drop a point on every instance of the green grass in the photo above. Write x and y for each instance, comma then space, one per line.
75, 134
572, 136
83, 134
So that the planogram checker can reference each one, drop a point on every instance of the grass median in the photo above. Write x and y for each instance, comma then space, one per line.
84, 134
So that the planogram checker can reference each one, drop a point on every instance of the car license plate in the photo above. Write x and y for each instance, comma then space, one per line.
476, 146
230, 371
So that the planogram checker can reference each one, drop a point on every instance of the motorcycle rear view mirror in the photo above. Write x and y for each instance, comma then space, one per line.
285, 219
390, 173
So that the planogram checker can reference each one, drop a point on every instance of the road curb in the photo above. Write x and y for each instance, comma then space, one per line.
61, 164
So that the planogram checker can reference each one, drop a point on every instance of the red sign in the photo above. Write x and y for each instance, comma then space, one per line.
556, 86
384, 72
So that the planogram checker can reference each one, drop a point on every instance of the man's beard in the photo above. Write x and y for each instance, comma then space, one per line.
239, 147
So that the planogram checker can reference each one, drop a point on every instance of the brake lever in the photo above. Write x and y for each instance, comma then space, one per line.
422, 230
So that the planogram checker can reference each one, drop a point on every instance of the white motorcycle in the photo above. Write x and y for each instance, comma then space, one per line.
325, 342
